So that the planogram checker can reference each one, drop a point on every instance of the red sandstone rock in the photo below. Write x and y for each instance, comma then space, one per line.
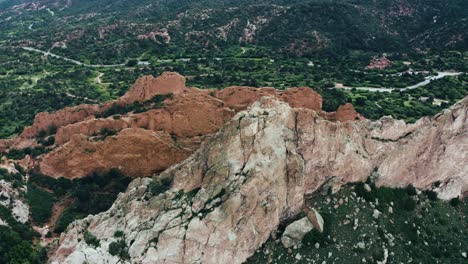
136, 152
347, 113
187, 117
379, 63
302, 97
239, 97
147, 87
69, 115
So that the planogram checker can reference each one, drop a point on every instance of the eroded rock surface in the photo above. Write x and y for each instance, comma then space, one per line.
134, 151
230, 195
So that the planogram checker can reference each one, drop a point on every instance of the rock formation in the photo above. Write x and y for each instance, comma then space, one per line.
129, 151
189, 115
232, 193
147, 86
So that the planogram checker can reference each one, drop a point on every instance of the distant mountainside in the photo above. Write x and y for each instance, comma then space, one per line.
296, 27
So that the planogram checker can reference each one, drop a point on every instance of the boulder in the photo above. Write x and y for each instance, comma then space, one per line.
315, 218
295, 232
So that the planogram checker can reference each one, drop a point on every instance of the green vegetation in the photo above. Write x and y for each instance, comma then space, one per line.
41, 203
17, 154
159, 186
90, 239
408, 226
408, 105
15, 178
119, 248
89, 195
16, 242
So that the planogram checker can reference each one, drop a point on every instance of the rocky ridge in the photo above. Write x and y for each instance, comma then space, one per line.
228, 197
178, 126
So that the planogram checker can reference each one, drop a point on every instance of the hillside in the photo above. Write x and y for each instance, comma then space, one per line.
79, 29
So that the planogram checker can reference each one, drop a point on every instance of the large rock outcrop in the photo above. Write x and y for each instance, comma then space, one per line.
189, 115
147, 86
46, 121
231, 194
129, 151
179, 126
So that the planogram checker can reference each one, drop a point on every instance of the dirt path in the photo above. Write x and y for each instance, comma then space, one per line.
98, 78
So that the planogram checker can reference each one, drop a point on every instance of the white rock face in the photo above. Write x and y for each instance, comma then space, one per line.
229, 196
295, 232
10, 197
251, 165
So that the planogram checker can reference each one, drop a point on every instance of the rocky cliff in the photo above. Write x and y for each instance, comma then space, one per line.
228, 197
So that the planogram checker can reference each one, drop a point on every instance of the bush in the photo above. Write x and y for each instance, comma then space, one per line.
132, 63
119, 248
118, 233
91, 195
90, 239
68, 216
361, 192
431, 195
159, 186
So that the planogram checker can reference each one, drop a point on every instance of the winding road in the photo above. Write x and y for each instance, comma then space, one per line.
48, 53
426, 81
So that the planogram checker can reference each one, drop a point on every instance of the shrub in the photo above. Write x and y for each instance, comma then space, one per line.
159, 186
118, 233
378, 254
313, 237
132, 63
68, 216
431, 195
361, 192
119, 248
90, 239
52, 129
